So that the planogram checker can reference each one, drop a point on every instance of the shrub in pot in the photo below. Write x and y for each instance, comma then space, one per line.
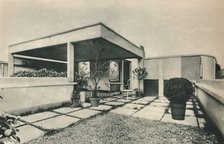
82, 82
178, 91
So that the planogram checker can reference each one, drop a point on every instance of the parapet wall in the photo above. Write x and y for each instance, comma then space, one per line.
21, 95
211, 96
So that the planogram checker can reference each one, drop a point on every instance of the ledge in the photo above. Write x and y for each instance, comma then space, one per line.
217, 94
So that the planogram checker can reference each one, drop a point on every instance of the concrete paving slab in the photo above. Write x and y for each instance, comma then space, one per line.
161, 101
123, 111
190, 107
86, 105
147, 98
123, 100
160, 104
189, 113
189, 103
148, 115
38, 116
133, 106
57, 122
140, 101
84, 113
27, 133
102, 107
114, 103
66, 109
191, 121
154, 109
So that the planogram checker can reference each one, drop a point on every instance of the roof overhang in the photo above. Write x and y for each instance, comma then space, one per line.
84, 39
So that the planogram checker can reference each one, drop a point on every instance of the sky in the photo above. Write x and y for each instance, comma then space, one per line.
164, 27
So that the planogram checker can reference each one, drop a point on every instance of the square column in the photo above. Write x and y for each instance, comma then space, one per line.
10, 64
70, 61
122, 75
161, 77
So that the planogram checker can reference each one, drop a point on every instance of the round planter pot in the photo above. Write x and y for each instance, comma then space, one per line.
94, 101
178, 111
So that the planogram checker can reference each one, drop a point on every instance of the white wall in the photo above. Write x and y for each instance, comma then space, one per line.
25, 94
171, 67
208, 66
152, 66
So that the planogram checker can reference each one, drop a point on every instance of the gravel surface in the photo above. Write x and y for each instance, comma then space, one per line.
118, 129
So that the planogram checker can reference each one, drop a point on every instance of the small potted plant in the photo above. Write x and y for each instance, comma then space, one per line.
82, 82
140, 73
178, 91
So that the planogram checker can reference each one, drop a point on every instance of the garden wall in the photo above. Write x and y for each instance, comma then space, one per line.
29, 94
211, 96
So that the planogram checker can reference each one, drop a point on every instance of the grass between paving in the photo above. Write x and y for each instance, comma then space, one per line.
118, 129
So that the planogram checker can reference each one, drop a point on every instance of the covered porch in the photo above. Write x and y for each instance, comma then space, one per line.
64, 52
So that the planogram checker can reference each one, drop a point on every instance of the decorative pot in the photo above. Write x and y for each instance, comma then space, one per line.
178, 110
94, 101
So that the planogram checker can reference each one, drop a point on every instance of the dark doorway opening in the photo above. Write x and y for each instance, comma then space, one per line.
151, 87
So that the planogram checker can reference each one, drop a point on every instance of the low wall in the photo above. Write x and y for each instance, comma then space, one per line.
211, 96
25, 94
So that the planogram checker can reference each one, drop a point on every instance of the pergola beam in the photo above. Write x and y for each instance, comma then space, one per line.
39, 59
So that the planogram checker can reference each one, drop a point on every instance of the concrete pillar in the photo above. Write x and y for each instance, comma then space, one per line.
70, 61
10, 64
141, 82
161, 77
122, 75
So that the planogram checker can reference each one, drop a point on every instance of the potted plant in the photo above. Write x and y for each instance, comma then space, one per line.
82, 82
98, 71
140, 73
178, 91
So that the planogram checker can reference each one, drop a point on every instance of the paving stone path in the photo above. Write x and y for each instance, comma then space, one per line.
153, 108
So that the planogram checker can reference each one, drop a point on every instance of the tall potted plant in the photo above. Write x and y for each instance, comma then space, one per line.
99, 70
178, 91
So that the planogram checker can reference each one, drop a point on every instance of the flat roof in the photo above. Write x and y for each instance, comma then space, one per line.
71, 30
79, 35
175, 56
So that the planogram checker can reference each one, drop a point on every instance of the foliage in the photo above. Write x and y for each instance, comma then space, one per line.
99, 68
140, 73
81, 83
40, 73
7, 131
178, 90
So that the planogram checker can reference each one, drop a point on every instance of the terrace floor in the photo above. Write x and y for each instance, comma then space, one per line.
151, 108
